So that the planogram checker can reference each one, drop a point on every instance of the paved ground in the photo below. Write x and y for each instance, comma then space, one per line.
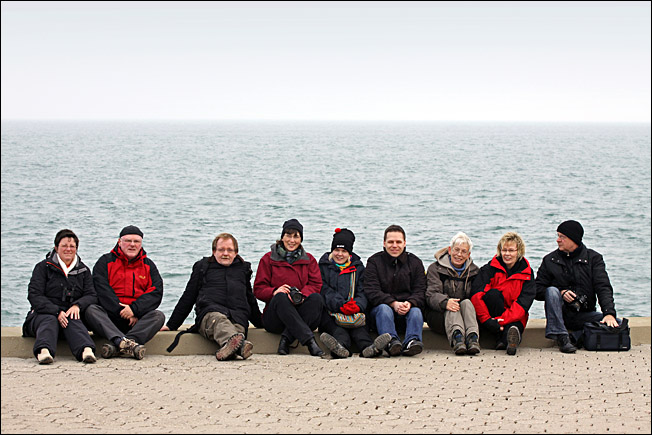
538, 390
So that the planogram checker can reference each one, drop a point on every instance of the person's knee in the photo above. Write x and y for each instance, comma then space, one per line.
93, 311
416, 314
384, 310
553, 294
466, 304
159, 318
314, 299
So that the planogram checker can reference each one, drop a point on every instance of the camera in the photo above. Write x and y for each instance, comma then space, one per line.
296, 296
68, 293
579, 302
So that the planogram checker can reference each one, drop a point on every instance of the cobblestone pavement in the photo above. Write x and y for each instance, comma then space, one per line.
536, 391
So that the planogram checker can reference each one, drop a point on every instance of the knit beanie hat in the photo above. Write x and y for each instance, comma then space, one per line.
292, 224
343, 238
573, 230
131, 229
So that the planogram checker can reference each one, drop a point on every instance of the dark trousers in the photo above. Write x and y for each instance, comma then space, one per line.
496, 305
112, 327
293, 321
46, 329
360, 336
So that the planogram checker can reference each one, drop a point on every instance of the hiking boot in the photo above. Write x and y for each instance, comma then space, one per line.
130, 348
87, 356
413, 347
246, 350
336, 348
44, 357
513, 340
314, 348
394, 347
472, 344
565, 344
376, 348
109, 351
458, 343
230, 348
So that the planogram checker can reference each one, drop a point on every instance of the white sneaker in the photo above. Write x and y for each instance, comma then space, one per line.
87, 356
44, 357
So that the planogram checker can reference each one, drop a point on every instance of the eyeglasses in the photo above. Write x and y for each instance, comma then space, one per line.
509, 251
130, 241
561, 236
457, 250
227, 250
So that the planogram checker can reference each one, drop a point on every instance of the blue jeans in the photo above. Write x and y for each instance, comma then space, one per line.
386, 318
559, 316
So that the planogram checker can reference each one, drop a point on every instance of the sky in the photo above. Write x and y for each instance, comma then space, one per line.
435, 61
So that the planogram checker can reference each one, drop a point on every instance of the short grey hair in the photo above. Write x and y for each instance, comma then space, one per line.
460, 238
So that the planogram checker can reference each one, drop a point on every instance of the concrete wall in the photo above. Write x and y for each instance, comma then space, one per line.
14, 345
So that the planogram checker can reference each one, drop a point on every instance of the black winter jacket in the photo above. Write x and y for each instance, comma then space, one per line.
583, 272
336, 284
50, 291
236, 300
389, 279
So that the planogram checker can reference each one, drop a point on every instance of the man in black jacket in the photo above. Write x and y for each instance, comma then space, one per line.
220, 289
395, 284
570, 280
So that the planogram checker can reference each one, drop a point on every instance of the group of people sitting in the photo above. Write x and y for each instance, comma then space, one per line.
338, 295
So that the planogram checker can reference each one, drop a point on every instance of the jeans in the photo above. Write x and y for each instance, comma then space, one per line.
386, 319
559, 316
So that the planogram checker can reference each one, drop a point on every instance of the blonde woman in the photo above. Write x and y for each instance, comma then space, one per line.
503, 292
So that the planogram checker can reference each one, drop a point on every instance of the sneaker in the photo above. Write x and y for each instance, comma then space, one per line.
246, 350
472, 344
230, 348
376, 348
458, 343
336, 348
87, 356
130, 348
513, 340
413, 347
565, 345
501, 345
109, 351
44, 357
394, 347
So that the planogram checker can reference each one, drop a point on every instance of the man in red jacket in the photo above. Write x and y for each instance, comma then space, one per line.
129, 289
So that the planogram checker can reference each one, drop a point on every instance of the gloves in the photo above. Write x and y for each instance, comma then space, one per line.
492, 325
351, 307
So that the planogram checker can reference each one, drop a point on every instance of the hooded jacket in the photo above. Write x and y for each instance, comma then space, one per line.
516, 285
389, 279
336, 283
443, 282
274, 271
136, 283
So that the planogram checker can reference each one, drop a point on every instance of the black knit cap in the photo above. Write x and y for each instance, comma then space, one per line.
292, 224
131, 229
343, 238
573, 230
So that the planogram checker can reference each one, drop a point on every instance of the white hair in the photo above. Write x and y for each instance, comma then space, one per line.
460, 238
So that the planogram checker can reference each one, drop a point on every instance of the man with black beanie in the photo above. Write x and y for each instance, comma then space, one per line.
569, 280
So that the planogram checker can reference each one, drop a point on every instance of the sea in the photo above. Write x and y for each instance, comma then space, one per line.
183, 182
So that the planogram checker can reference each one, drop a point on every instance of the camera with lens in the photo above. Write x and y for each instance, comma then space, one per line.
579, 302
296, 296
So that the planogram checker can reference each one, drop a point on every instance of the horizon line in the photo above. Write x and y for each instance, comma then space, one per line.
322, 120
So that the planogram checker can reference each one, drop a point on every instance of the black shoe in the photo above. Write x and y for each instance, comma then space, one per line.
394, 347
513, 340
413, 347
458, 343
336, 348
284, 346
501, 345
565, 345
314, 348
472, 344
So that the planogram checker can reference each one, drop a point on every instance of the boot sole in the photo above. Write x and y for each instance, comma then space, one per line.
333, 345
139, 352
395, 349
108, 351
247, 349
230, 347
513, 340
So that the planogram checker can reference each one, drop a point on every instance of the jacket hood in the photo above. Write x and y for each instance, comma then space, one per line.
443, 260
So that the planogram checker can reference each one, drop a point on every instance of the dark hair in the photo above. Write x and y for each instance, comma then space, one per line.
65, 233
394, 229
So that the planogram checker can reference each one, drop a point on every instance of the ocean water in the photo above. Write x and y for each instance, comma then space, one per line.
183, 183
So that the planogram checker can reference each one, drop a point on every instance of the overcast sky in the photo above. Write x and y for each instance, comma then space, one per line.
464, 61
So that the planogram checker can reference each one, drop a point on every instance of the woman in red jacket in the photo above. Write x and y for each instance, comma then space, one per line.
503, 292
288, 280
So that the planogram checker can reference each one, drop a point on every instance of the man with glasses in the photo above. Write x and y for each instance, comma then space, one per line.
570, 279
220, 289
129, 289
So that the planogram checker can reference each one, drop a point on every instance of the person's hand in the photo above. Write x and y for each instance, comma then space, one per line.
568, 296
453, 305
402, 308
164, 328
493, 325
73, 312
133, 320
609, 320
126, 313
63, 319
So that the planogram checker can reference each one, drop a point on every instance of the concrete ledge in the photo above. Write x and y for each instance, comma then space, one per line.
15, 345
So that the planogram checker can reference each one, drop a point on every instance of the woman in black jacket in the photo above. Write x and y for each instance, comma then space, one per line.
60, 289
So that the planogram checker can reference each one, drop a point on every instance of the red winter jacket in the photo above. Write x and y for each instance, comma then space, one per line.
274, 271
518, 290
